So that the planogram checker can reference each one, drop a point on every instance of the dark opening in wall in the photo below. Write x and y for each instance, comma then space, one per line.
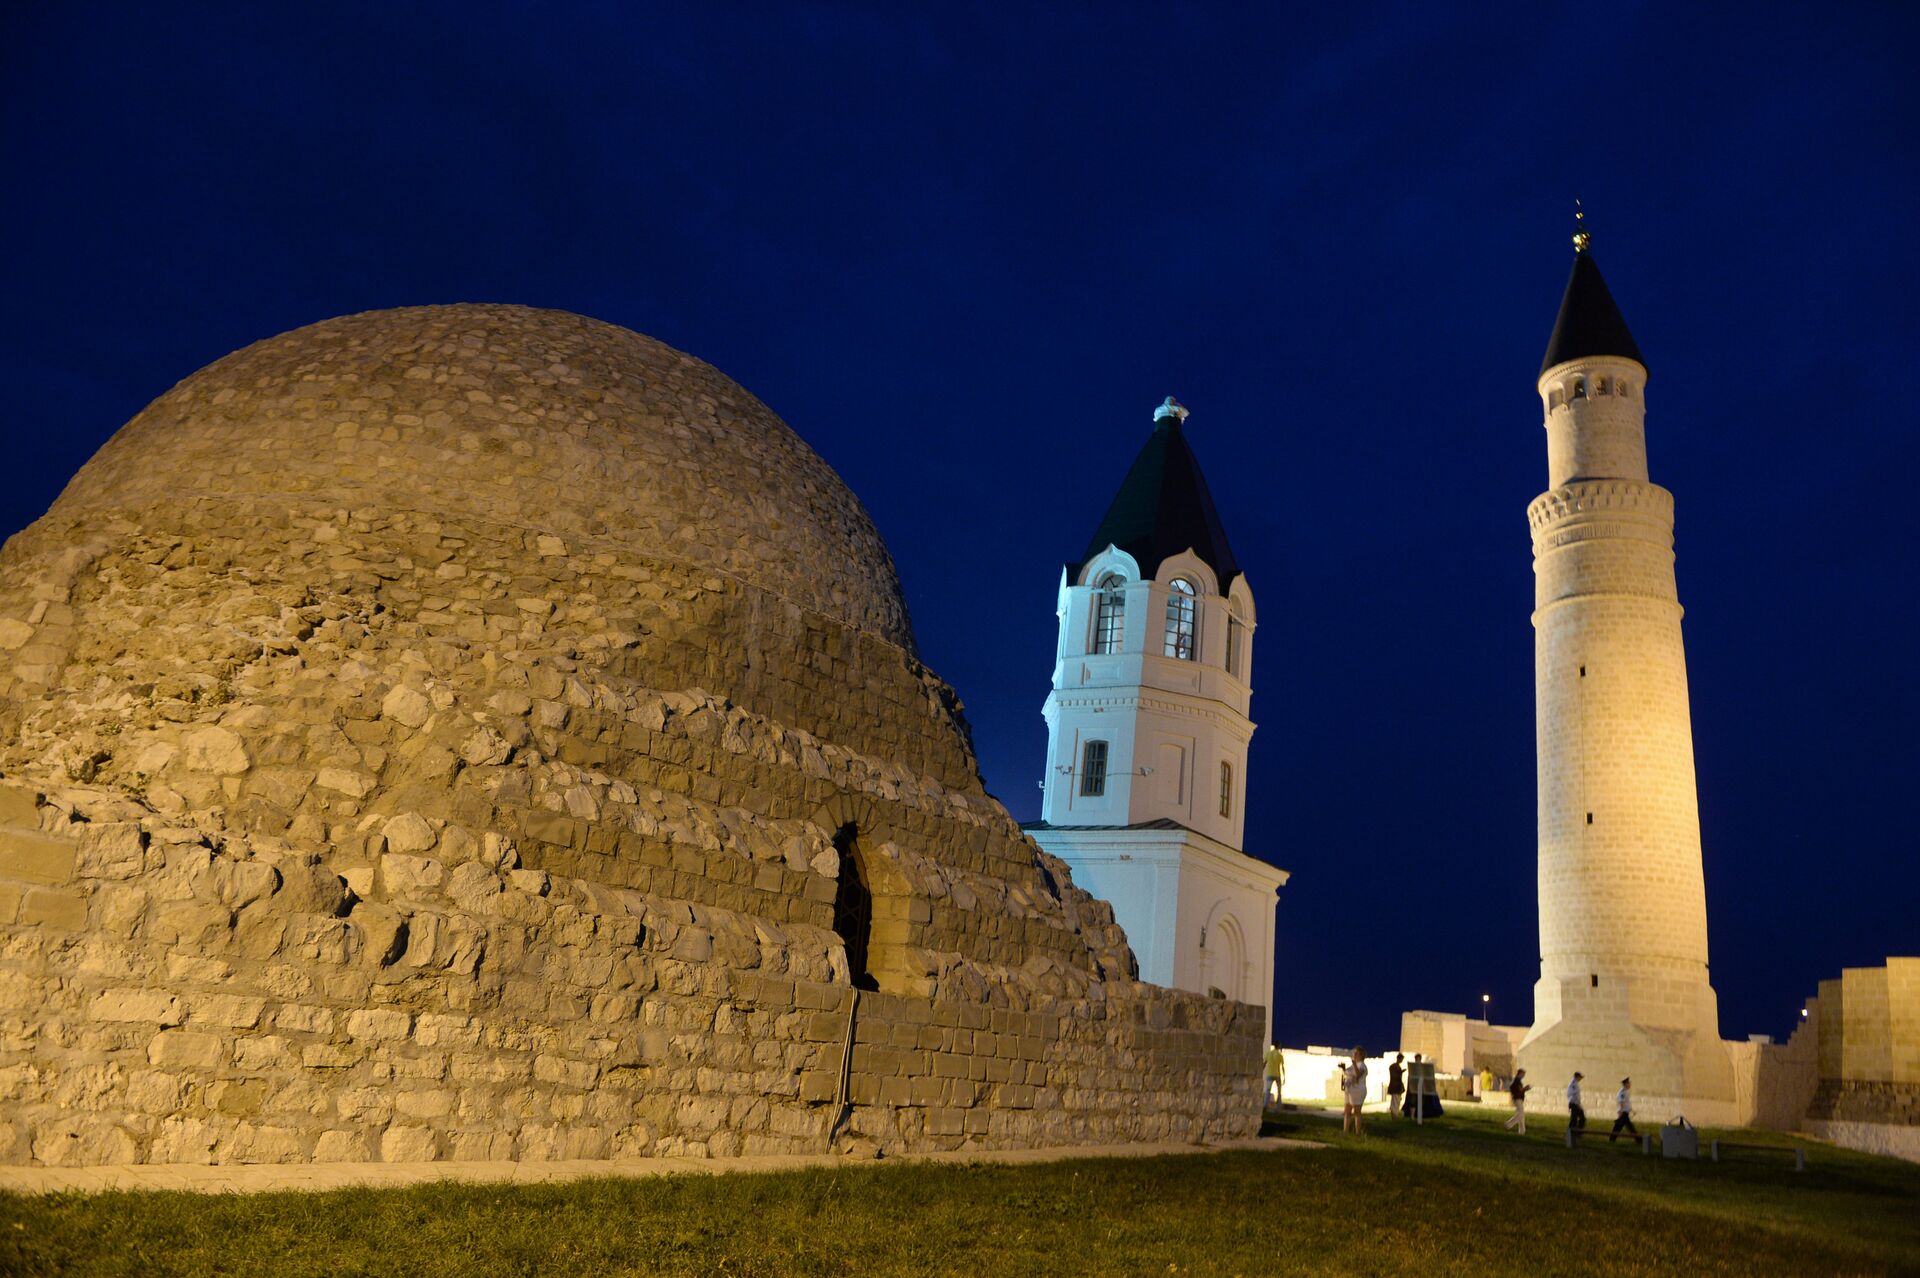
1595, 978
1589, 818
853, 907
1583, 672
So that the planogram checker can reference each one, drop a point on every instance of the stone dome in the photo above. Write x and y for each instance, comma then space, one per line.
542, 419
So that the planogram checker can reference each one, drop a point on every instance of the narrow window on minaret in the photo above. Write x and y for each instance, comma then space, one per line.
1226, 789
1235, 637
1583, 672
1589, 818
1110, 614
1093, 769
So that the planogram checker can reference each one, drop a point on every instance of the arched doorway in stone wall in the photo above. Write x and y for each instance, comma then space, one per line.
853, 908
876, 911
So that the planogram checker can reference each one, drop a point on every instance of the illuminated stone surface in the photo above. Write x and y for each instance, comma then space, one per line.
424, 736
1623, 986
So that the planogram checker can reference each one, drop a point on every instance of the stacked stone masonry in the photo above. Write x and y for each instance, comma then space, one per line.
1869, 1045
426, 736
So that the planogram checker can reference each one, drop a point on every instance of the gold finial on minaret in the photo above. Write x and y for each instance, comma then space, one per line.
1581, 237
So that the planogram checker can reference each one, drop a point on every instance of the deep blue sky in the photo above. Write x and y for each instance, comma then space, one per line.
964, 256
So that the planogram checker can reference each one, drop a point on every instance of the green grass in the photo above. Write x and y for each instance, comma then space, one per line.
1457, 1196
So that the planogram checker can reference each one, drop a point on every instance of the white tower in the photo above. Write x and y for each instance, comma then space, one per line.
1147, 731
1623, 986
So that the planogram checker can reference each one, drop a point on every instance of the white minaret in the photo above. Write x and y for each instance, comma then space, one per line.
1147, 731
1623, 986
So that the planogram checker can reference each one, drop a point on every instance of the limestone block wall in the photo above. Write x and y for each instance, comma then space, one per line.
1869, 1046
360, 804
169, 998
1459, 1044
1774, 1083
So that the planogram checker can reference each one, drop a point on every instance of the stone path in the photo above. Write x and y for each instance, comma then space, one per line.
259, 1178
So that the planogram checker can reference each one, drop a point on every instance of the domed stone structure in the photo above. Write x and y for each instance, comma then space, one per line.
482, 732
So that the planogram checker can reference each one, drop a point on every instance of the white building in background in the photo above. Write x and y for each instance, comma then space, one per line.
1147, 732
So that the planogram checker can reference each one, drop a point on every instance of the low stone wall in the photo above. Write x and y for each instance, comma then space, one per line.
1870, 1138
1774, 1082
164, 999
1857, 1101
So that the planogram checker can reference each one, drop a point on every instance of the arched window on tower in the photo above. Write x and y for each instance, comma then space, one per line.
1226, 788
1180, 616
1110, 613
1579, 388
853, 907
1236, 643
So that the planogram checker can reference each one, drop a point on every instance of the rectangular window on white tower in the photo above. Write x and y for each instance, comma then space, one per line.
1226, 789
1093, 769
1235, 637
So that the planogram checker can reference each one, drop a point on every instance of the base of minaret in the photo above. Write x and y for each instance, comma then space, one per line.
1678, 1063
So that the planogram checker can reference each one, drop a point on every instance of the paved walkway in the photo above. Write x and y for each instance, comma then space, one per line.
251, 1178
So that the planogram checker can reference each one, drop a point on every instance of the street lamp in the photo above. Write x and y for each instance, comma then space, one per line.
1484, 1000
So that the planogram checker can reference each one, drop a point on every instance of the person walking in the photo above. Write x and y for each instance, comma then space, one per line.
1396, 1083
1576, 1112
1517, 1093
1353, 1083
1623, 1102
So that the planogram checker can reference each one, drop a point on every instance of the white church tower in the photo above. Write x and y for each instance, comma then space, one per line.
1147, 731
1623, 986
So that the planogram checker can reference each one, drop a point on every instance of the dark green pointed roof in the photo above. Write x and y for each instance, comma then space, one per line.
1589, 323
1163, 507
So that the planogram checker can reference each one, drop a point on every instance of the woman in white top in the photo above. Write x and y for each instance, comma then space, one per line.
1353, 1084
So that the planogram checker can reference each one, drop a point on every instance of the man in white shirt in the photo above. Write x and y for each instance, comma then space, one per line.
1576, 1113
1623, 1103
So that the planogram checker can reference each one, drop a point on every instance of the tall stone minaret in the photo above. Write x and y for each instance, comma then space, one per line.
1147, 730
1623, 986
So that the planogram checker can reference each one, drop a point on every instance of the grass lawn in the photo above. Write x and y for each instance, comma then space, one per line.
1458, 1196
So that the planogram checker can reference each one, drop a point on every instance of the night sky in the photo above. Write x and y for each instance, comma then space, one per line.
964, 257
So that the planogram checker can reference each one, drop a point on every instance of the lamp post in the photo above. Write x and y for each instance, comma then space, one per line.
1485, 999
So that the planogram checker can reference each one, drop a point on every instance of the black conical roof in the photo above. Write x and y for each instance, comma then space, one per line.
1589, 322
1163, 507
